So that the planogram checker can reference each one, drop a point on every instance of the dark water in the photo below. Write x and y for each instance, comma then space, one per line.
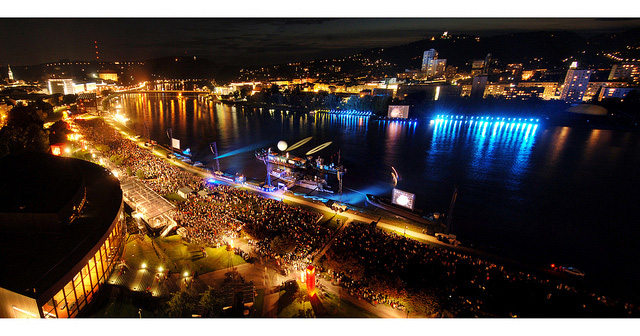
552, 194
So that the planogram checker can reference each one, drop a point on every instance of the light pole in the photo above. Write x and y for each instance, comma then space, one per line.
140, 312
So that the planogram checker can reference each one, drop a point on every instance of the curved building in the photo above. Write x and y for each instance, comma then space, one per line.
62, 233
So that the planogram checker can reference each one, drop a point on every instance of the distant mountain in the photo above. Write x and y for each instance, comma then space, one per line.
188, 67
615, 41
550, 47
549, 50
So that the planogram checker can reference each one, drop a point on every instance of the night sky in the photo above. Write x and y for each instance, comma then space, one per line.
257, 41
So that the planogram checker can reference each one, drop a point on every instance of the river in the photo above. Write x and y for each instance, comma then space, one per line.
559, 195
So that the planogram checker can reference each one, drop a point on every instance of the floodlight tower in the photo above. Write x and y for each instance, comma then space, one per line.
451, 205
264, 157
216, 163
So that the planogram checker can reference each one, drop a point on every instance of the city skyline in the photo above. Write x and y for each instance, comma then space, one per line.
320, 166
254, 41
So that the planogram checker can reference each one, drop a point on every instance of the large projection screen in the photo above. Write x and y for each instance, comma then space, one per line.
175, 143
398, 111
403, 198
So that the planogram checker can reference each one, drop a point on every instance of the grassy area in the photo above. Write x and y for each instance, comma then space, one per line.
288, 306
102, 148
174, 254
60, 109
324, 305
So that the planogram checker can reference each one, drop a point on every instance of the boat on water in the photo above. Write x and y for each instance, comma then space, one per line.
569, 270
573, 271
290, 161
385, 204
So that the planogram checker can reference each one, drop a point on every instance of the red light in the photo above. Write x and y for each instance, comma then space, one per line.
311, 279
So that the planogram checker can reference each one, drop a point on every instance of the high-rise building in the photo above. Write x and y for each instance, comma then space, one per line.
614, 92
575, 84
431, 65
436, 68
427, 57
59, 85
625, 71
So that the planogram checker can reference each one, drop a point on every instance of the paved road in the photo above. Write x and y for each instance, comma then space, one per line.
350, 214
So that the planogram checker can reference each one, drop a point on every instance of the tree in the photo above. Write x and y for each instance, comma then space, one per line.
23, 132
212, 301
22, 115
58, 132
55, 99
180, 305
301, 296
69, 99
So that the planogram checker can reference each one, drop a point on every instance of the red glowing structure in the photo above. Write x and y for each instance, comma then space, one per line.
311, 280
56, 149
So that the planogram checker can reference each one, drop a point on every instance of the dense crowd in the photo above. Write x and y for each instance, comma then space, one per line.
459, 283
368, 262
225, 211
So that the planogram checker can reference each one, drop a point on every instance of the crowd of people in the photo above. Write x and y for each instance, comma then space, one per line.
464, 285
225, 211
368, 262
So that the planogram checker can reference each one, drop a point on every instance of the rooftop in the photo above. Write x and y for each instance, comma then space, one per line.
33, 262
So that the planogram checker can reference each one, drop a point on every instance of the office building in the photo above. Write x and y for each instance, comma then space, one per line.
62, 86
627, 71
575, 84
427, 57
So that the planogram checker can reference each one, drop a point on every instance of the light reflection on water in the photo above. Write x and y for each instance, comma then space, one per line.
522, 187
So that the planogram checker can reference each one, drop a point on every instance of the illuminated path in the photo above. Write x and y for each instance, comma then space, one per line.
330, 242
350, 214
263, 274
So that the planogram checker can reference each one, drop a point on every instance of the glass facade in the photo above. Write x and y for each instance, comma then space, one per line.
83, 287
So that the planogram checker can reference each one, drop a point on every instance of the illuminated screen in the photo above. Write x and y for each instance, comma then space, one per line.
403, 198
398, 111
175, 143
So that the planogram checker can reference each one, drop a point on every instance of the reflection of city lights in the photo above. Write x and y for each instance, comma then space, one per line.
121, 118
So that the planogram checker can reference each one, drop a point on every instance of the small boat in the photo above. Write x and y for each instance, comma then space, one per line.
573, 271
198, 164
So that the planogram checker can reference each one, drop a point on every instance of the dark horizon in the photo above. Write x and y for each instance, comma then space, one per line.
253, 41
